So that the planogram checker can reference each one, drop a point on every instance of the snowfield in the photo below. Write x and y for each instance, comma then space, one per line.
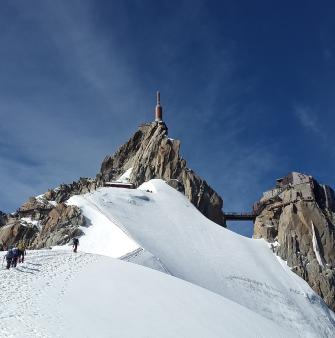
61, 294
210, 282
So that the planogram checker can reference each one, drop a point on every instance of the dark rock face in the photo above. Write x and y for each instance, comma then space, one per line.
65, 191
299, 218
42, 224
151, 154
15, 230
3, 218
60, 226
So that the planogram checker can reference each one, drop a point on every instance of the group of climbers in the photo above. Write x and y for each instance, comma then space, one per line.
15, 254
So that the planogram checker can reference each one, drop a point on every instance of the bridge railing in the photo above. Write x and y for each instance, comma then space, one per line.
239, 214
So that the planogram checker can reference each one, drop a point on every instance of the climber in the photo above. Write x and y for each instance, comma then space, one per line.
22, 251
9, 257
15, 257
75, 244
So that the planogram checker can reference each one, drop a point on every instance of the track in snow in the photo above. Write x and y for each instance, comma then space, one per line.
23, 289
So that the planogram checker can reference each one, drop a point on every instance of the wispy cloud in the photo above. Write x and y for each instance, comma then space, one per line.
308, 118
65, 122
311, 122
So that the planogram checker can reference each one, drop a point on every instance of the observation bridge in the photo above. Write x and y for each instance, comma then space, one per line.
257, 208
239, 216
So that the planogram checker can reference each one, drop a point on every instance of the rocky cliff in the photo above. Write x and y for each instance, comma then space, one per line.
46, 220
298, 218
149, 154
41, 224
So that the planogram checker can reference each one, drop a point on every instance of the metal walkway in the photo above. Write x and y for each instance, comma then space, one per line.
239, 216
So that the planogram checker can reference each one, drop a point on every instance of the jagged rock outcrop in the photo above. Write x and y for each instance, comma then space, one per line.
298, 217
65, 191
15, 230
60, 226
151, 154
42, 223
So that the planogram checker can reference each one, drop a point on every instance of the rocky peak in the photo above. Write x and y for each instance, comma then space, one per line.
149, 154
46, 220
297, 216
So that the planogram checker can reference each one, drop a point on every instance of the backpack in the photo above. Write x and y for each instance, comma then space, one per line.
76, 241
15, 252
10, 254
21, 246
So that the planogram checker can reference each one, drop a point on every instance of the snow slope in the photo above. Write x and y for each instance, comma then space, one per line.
61, 294
192, 248
104, 238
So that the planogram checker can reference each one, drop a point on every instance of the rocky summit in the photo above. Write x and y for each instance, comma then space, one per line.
149, 154
297, 217
46, 220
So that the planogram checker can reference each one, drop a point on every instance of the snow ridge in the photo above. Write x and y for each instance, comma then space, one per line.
189, 246
208, 281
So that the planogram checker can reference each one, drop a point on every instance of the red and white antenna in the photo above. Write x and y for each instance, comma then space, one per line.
159, 109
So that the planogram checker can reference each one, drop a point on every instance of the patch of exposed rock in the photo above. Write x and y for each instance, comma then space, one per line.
65, 191
151, 154
14, 230
298, 217
60, 226
41, 223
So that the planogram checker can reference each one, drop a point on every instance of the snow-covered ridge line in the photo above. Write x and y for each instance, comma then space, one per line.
189, 246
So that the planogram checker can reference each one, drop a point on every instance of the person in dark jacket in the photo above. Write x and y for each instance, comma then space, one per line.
75, 244
9, 257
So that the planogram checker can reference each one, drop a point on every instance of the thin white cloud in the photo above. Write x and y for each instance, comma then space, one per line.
310, 120
307, 118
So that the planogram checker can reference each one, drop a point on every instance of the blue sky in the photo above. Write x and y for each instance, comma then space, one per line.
248, 86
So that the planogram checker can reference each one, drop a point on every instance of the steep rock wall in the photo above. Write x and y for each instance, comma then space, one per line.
301, 227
